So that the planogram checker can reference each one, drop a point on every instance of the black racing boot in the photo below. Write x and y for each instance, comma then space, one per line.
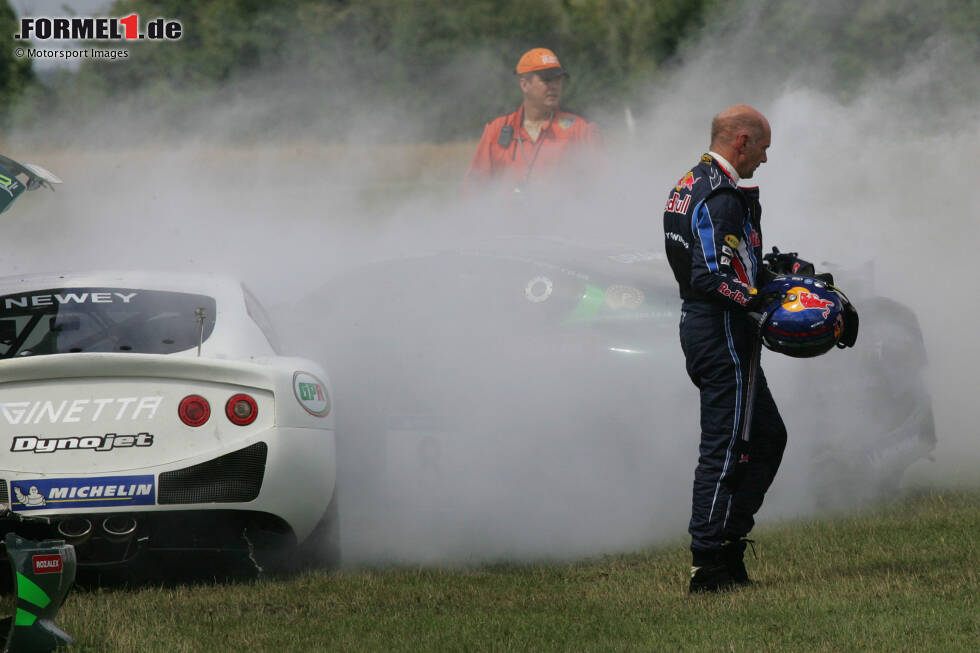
709, 573
732, 556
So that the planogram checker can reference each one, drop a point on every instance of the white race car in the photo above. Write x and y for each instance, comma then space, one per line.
145, 413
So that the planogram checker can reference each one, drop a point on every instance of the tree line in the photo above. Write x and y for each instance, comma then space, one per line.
323, 62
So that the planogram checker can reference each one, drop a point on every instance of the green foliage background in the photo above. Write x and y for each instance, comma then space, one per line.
326, 63
16, 74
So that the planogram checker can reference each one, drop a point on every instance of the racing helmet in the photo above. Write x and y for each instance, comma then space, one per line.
805, 317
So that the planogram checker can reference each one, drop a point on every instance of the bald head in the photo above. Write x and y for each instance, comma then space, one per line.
736, 120
741, 134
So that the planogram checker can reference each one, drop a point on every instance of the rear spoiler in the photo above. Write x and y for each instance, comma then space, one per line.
123, 365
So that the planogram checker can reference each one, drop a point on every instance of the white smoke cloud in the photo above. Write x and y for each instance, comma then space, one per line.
501, 462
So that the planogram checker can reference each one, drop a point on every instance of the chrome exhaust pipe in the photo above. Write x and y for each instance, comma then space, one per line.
118, 528
75, 530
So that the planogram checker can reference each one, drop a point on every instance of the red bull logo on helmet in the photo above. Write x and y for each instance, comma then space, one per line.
799, 298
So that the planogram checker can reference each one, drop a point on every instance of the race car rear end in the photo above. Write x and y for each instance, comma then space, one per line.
123, 454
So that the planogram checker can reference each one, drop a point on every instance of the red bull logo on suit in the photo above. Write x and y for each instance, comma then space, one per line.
687, 182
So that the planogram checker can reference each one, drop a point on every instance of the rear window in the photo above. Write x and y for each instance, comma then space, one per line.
67, 320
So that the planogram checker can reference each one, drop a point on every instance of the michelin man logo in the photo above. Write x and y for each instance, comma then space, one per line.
32, 498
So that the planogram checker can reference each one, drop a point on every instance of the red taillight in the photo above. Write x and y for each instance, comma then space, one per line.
241, 410
194, 410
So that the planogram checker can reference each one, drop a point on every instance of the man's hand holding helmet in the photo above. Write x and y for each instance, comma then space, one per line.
761, 305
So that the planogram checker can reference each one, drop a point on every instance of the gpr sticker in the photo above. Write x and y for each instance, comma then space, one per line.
311, 393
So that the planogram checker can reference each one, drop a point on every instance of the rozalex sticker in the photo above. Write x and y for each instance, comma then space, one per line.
47, 564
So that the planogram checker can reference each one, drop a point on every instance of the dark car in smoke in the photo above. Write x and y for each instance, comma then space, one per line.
530, 357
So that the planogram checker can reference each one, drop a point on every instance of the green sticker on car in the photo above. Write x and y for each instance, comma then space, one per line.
311, 393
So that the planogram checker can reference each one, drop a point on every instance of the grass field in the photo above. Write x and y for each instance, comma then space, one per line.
899, 577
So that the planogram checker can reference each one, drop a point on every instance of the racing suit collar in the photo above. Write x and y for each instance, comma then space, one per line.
726, 166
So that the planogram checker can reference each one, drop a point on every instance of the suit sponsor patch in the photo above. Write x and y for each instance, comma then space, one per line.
736, 296
687, 182
677, 204
676, 237
714, 178
732, 240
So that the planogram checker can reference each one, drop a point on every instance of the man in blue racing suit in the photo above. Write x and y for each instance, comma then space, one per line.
714, 245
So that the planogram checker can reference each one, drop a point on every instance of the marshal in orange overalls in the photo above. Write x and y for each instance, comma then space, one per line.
507, 159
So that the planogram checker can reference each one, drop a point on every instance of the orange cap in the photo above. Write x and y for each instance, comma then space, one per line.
538, 59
